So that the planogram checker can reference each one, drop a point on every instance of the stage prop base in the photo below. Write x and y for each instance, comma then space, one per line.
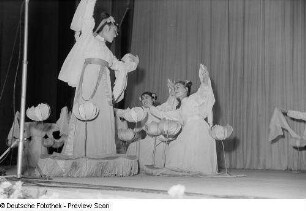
110, 166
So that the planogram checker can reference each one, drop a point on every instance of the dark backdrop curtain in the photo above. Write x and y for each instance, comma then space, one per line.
9, 17
50, 40
255, 52
42, 60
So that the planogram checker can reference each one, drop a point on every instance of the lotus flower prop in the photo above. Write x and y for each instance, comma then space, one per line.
169, 128
86, 111
126, 134
152, 129
39, 113
135, 114
219, 132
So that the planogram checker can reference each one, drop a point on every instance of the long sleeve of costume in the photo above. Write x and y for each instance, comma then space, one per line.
171, 115
121, 69
277, 124
205, 100
297, 115
83, 24
167, 109
169, 105
82, 18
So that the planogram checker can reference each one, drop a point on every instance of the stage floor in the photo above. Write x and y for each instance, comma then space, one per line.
254, 184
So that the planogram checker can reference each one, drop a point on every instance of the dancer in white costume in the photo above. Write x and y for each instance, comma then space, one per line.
146, 145
194, 150
87, 67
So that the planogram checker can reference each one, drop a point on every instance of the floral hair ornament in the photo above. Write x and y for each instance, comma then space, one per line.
110, 19
154, 96
187, 82
151, 94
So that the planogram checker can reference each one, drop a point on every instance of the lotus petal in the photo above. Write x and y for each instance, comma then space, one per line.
135, 114
126, 134
39, 113
86, 111
219, 132
152, 129
31, 114
169, 127
44, 110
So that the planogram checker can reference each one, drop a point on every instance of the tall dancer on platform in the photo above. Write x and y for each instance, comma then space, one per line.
87, 67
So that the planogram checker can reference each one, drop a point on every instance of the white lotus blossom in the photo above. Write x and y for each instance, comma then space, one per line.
39, 113
5, 184
135, 114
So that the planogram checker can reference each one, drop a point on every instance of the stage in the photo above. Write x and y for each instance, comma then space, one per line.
251, 184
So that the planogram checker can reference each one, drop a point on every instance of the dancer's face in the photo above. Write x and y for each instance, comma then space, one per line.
109, 33
146, 101
180, 91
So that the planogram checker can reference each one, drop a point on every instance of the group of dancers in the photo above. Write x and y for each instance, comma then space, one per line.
87, 68
193, 150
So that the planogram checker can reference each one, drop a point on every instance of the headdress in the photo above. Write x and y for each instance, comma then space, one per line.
110, 19
187, 82
83, 17
151, 94
83, 24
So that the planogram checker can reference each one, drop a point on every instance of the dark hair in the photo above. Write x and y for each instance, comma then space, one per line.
151, 94
99, 17
186, 84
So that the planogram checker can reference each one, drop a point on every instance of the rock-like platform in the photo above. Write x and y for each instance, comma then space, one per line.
118, 165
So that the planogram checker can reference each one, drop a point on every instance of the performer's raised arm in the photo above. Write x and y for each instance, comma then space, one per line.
297, 115
205, 96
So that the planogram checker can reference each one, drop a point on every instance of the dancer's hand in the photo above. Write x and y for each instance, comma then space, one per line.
170, 85
203, 74
285, 112
121, 112
130, 58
